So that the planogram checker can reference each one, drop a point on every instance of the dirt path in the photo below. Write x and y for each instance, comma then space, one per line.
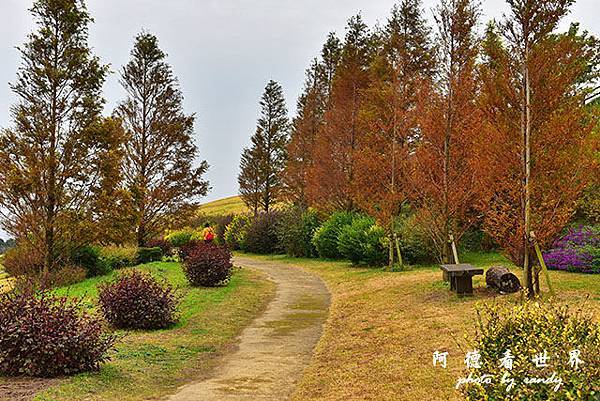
274, 350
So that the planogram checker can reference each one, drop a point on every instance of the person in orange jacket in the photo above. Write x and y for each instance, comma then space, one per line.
208, 234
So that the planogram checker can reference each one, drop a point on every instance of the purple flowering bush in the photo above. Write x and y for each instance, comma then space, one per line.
577, 251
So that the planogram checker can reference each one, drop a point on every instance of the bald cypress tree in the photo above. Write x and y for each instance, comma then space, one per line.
330, 59
251, 185
332, 175
388, 116
54, 155
160, 155
311, 107
263, 163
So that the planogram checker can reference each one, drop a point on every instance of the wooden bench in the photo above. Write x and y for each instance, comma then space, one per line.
461, 277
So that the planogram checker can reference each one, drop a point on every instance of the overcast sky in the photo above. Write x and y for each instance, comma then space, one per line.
224, 52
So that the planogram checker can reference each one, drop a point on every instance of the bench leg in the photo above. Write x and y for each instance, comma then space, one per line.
464, 285
445, 276
452, 282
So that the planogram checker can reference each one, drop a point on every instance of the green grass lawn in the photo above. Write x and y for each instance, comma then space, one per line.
225, 206
149, 365
383, 328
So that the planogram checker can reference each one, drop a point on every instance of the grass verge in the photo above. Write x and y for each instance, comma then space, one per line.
150, 365
383, 328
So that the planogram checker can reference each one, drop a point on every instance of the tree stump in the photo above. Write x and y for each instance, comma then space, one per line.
500, 278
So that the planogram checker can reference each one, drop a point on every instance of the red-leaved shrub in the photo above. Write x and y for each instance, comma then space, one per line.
46, 336
208, 265
185, 250
136, 300
162, 244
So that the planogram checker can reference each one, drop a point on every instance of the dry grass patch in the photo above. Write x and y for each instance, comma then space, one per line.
384, 327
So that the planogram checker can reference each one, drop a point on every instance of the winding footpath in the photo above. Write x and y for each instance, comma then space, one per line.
274, 350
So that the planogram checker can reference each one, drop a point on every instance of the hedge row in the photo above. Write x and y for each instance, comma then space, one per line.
302, 233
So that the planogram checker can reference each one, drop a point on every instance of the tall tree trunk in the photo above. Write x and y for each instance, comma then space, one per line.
527, 265
447, 138
391, 253
49, 234
141, 234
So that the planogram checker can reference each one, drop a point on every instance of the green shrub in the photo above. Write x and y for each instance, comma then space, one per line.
220, 224
148, 255
589, 204
89, 258
196, 237
235, 233
160, 242
325, 239
261, 234
475, 240
528, 330
118, 257
181, 237
376, 252
415, 245
295, 230
363, 242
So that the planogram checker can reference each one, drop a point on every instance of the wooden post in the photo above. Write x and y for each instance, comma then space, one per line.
454, 251
391, 254
542, 263
400, 260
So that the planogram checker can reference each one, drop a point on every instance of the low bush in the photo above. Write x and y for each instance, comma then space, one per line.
235, 233
363, 241
185, 250
295, 230
161, 243
589, 204
208, 265
220, 224
149, 255
25, 264
415, 245
476, 240
46, 336
23, 260
136, 300
261, 234
181, 237
119, 257
529, 330
89, 258
325, 238
66, 275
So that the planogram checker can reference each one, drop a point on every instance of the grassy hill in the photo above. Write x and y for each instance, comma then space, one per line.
5, 280
231, 205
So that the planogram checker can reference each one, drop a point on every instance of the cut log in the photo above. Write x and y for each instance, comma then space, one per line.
500, 278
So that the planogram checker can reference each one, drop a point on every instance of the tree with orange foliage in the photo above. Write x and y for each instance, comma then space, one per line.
331, 177
537, 149
444, 176
311, 108
388, 117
